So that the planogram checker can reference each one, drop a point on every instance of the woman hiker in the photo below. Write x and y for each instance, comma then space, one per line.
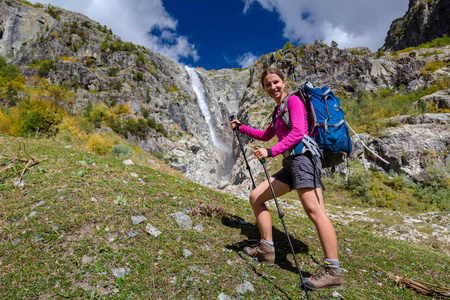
298, 173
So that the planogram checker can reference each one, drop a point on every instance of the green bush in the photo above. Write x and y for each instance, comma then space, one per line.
137, 128
40, 116
157, 126
122, 151
288, 46
117, 126
112, 72
53, 11
359, 182
45, 66
98, 114
7, 72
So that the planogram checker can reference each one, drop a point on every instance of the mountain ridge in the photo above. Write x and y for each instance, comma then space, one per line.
89, 60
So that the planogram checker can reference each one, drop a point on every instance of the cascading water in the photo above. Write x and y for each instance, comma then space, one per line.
197, 86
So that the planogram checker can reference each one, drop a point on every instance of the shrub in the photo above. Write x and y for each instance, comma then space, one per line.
116, 125
86, 24
53, 11
98, 114
140, 60
122, 151
137, 128
38, 116
437, 43
71, 58
436, 176
288, 46
138, 76
145, 112
359, 182
100, 144
432, 67
5, 124
116, 85
7, 72
112, 72
122, 109
12, 95
45, 66
71, 130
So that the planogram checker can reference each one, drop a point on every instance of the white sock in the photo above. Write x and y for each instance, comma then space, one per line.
334, 262
268, 243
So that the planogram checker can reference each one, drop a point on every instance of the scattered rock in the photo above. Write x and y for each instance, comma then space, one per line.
86, 259
152, 230
245, 287
199, 228
337, 295
18, 183
183, 220
128, 162
134, 175
133, 234
16, 241
32, 214
120, 272
206, 248
93, 199
40, 203
223, 296
138, 219
187, 253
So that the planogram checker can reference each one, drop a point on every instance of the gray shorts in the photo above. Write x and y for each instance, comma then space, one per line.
299, 172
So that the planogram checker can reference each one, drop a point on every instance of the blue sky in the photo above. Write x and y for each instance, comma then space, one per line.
216, 34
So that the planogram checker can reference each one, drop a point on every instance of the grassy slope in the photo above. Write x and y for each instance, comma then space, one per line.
69, 248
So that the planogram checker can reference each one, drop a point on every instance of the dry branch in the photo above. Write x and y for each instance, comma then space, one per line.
422, 287
28, 160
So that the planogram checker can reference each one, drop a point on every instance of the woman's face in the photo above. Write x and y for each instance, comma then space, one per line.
275, 87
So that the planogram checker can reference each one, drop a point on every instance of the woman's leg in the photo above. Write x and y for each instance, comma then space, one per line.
312, 202
258, 197
329, 275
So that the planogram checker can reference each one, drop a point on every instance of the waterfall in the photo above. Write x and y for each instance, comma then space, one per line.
197, 86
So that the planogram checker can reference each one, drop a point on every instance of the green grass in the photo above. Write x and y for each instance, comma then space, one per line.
70, 247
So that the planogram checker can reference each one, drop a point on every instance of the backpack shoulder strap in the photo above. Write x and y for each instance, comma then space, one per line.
273, 116
284, 111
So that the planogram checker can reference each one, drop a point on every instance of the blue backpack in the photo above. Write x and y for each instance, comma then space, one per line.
329, 137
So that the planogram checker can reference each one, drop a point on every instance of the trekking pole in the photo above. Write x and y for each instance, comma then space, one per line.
281, 215
236, 131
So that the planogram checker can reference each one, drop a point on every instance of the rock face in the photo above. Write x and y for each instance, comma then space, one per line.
97, 66
409, 146
424, 21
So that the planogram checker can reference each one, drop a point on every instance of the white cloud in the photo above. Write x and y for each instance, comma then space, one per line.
350, 23
133, 21
246, 59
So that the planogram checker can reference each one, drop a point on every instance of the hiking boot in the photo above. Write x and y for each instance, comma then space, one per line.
263, 252
328, 277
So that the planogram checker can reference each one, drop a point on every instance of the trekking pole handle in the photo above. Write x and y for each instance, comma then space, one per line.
262, 160
231, 118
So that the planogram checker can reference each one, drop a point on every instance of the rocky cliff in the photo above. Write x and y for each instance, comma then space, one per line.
424, 21
99, 67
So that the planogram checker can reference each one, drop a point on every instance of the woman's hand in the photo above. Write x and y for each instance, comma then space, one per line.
234, 123
261, 153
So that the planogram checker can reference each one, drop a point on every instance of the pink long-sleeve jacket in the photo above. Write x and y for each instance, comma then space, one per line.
287, 137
